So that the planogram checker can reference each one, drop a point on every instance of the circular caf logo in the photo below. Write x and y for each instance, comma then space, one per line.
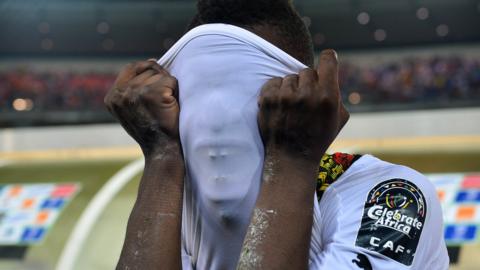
397, 204
393, 219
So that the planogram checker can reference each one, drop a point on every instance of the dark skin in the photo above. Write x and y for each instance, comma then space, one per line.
299, 117
143, 99
269, 34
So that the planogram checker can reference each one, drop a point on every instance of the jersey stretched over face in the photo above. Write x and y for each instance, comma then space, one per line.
221, 69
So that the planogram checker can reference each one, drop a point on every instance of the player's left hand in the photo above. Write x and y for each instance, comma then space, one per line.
302, 114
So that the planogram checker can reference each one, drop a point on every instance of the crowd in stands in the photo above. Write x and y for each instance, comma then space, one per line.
415, 80
55, 91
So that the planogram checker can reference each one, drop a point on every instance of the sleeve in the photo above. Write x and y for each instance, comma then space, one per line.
381, 224
336, 228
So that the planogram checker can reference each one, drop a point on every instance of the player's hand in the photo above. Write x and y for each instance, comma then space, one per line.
144, 100
302, 114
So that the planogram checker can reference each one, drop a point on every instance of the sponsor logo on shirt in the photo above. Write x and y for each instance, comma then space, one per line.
362, 262
393, 219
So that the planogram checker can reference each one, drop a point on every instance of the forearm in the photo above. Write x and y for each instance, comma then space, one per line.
154, 227
280, 229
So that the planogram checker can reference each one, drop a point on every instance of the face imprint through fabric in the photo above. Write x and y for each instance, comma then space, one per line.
220, 78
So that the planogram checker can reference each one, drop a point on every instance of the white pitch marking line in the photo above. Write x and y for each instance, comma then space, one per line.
93, 211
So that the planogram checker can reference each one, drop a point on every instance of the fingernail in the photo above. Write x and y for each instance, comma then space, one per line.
152, 59
335, 54
330, 52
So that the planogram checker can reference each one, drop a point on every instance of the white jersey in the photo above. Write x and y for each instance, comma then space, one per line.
221, 69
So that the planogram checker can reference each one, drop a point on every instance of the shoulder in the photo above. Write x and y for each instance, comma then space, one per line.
366, 174
386, 206
414, 180
371, 171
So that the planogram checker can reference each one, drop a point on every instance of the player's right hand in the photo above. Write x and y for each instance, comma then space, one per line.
144, 100
301, 114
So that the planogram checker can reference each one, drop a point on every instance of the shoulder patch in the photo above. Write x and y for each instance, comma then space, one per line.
393, 219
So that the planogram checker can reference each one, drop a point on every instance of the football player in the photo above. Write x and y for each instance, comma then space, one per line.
230, 182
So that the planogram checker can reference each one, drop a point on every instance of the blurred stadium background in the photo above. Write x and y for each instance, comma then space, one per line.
410, 75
